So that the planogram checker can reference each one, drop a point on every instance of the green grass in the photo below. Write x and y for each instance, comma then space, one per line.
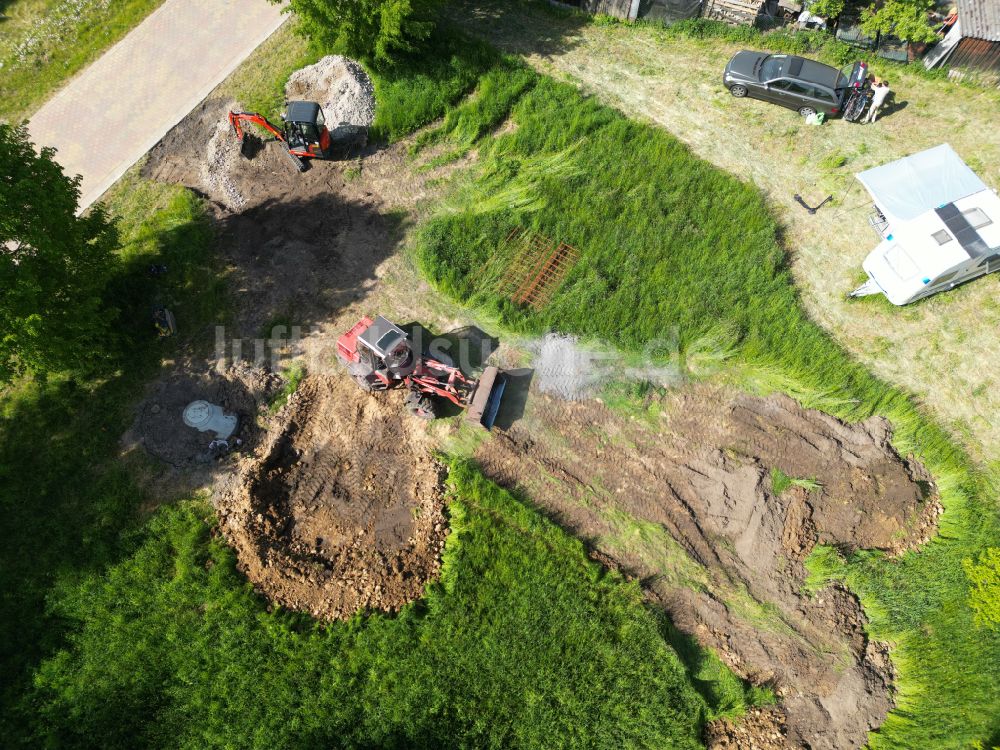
292, 375
524, 642
668, 242
45, 42
416, 92
780, 482
65, 498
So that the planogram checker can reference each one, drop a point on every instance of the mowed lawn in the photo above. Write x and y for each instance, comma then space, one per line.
43, 43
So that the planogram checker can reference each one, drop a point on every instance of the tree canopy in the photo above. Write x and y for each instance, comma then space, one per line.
378, 31
907, 19
54, 265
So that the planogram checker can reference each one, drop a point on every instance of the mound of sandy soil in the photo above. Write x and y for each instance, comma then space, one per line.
341, 508
242, 390
705, 479
340, 86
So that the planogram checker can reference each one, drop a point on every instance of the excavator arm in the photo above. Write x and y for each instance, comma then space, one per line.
235, 118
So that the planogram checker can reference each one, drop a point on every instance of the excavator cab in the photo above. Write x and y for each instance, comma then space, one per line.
305, 130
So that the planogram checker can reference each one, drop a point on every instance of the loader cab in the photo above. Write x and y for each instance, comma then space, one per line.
305, 130
384, 345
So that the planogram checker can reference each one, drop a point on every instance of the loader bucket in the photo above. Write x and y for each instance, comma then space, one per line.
486, 398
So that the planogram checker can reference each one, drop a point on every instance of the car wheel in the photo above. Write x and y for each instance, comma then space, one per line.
806, 111
738, 90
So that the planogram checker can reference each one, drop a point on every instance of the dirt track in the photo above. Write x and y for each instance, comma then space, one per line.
705, 478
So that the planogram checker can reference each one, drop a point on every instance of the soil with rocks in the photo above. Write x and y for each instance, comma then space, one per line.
341, 509
758, 729
340, 86
242, 390
705, 478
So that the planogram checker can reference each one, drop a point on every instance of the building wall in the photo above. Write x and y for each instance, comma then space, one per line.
618, 8
978, 54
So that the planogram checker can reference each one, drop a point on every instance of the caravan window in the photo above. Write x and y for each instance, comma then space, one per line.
977, 218
941, 236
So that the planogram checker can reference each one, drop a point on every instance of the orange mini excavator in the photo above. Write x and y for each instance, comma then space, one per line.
304, 133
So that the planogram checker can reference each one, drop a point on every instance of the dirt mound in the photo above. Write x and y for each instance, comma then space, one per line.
242, 390
341, 508
340, 86
760, 728
705, 479
221, 160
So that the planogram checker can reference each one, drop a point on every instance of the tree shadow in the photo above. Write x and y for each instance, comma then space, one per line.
301, 261
522, 28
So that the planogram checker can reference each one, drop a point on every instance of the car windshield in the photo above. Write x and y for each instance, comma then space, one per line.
844, 77
774, 66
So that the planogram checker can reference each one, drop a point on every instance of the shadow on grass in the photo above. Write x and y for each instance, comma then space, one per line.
68, 502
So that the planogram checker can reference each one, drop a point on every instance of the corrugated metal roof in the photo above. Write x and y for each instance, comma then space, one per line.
980, 19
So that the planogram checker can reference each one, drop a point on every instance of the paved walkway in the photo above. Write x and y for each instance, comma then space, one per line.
111, 114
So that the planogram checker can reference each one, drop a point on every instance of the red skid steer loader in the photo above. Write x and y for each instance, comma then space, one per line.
378, 355
304, 133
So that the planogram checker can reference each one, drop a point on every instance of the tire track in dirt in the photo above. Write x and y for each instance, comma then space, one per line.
341, 509
705, 478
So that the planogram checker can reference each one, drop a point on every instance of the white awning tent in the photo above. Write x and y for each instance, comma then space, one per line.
911, 186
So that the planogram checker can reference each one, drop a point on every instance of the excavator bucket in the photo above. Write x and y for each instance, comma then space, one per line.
250, 145
485, 401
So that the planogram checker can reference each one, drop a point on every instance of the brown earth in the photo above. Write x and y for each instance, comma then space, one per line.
736, 582
688, 508
241, 390
341, 508
759, 729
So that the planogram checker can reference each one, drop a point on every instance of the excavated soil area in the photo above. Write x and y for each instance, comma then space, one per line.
242, 390
705, 478
341, 509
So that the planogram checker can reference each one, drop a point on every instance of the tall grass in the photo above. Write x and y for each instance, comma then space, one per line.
670, 244
523, 643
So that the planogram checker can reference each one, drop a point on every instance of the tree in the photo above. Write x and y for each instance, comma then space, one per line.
828, 9
377, 31
907, 19
54, 265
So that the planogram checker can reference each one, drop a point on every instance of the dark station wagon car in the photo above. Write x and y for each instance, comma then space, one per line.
791, 81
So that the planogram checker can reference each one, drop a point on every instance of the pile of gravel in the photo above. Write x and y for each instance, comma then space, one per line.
221, 159
340, 86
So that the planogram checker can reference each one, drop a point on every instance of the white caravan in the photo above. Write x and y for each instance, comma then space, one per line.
939, 224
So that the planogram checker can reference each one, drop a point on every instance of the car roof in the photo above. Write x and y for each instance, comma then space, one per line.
813, 72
